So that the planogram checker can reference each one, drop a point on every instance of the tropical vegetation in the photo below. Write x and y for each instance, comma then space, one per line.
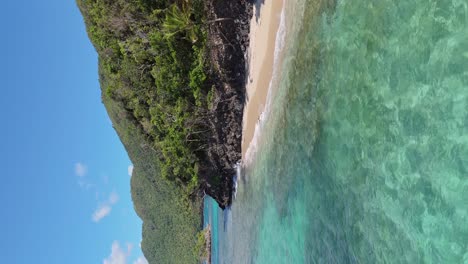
155, 86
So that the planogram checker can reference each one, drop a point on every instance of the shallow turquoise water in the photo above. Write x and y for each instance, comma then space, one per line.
364, 153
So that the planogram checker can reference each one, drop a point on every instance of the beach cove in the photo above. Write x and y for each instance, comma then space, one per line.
261, 57
360, 150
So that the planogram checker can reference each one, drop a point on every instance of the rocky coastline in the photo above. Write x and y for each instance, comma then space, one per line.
228, 41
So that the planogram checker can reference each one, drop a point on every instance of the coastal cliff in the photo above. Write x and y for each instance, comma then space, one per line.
172, 75
228, 40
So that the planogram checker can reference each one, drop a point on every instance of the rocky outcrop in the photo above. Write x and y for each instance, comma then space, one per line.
228, 40
208, 244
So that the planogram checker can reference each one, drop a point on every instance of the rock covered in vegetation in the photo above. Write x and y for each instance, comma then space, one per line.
172, 76
228, 40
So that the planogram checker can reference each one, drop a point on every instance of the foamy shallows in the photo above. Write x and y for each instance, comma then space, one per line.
363, 153
279, 45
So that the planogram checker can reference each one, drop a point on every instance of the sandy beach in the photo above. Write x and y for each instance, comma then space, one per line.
263, 28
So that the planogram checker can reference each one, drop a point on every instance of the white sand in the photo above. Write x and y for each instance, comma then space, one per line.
261, 57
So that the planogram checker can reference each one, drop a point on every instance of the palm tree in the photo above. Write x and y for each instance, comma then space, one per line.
178, 20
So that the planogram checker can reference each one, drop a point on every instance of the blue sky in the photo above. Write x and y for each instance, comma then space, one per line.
65, 184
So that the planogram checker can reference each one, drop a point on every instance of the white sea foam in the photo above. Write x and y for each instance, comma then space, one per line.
279, 46
236, 178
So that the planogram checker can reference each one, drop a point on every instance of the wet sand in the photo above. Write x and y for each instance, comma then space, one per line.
263, 28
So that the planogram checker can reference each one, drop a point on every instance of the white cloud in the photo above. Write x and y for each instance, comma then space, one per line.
84, 184
101, 212
130, 170
113, 198
129, 247
105, 208
118, 255
141, 260
80, 169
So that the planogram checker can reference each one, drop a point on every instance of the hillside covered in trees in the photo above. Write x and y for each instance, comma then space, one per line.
172, 77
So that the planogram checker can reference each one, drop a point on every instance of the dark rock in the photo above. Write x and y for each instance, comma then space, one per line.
227, 42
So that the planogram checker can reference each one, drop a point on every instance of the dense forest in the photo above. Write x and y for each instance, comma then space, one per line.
174, 103
151, 63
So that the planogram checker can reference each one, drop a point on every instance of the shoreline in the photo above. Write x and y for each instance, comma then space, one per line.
227, 45
207, 236
260, 55
264, 28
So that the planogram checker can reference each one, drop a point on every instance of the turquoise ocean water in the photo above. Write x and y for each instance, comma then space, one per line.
363, 151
